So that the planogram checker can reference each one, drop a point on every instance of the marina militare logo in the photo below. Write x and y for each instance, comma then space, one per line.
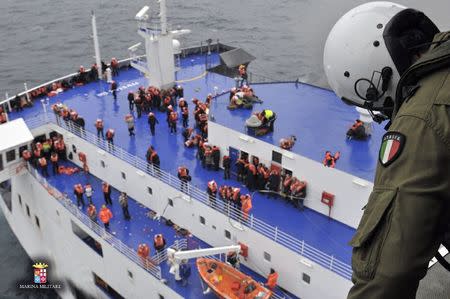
40, 273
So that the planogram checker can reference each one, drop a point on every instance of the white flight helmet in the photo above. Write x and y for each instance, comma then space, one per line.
368, 50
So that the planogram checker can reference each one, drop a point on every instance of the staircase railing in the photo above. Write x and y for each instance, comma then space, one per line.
239, 220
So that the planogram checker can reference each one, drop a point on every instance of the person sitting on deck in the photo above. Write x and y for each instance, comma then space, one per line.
272, 280
330, 160
288, 143
159, 242
357, 131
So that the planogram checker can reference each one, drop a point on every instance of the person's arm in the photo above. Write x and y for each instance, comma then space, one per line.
400, 230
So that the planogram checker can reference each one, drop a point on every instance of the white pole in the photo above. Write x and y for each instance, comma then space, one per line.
9, 102
26, 91
96, 46
163, 16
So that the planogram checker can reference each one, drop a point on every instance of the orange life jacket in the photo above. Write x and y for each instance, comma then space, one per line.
99, 124
236, 193
82, 157
143, 250
287, 181
212, 185
105, 215
182, 171
173, 116
3, 117
272, 280
109, 134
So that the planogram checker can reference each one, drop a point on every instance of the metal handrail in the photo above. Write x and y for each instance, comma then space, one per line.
236, 218
100, 231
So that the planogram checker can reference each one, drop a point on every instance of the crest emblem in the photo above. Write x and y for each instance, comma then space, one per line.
391, 147
40, 273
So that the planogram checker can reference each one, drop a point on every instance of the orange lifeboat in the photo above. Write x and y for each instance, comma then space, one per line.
229, 283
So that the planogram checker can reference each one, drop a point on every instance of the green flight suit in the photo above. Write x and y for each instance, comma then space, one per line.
409, 208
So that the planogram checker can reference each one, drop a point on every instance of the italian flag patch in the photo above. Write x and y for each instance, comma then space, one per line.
391, 147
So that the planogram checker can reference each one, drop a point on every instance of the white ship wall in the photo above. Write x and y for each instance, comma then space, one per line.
70, 258
186, 214
351, 193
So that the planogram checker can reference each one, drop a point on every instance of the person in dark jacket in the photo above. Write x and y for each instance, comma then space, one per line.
152, 121
114, 89
131, 100
216, 157
123, 201
274, 182
226, 163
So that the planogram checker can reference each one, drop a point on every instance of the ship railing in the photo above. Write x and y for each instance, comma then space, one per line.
63, 198
189, 192
161, 256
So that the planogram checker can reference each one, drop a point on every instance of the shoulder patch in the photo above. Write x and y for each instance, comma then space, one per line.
391, 147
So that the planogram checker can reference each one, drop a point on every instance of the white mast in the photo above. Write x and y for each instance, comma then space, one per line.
159, 66
96, 46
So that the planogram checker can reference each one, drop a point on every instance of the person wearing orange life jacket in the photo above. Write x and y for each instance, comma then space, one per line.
274, 182
106, 188
99, 126
287, 184
105, 216
240, 165
357, 131
54, 159
251, 177
173, 117
78, 191
159, 242
143, 252
212, 191
272, 280
246, 202
110, 138
92, 212
236, 197
183, 175
3, 117
88, 191
43, 166
330, 159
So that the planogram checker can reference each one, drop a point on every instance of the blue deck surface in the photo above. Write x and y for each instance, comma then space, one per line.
140, 229
317, 230
316, 117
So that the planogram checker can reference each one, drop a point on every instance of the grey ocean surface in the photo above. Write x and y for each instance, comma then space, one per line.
43, 39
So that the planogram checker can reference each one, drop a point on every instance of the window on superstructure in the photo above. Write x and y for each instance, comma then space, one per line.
227, 234
170, 202
106, 288
87, 239
161, 296
6, 195
28, 210
277, 157
20, 199
37, 221
130, 274
202, 220
102, 163
267, 256
124, 175
306, 278
150, 191
10, 155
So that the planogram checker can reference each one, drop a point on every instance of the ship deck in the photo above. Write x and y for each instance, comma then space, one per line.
93, 101
141, 229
